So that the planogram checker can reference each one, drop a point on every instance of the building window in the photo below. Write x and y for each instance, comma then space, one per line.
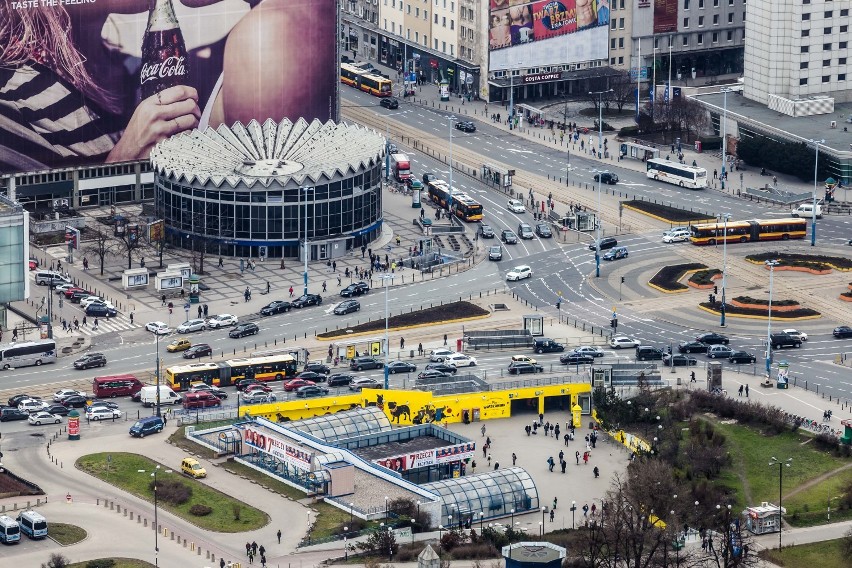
826, 62
417, 37
842, 44
686, 4
685, 41
844, 12
715, 19
436, 44
612, 43
444, 21
826, 31
436, 19
730, 35
613, 24
417, 12
700, 21
842, 61
805, 49
730, 2
826, 78
621, 43
844, 29
826, 47
829, 13
656, 43
612, 60
700, 4
452, 50
444, 46
393, 28
621, 59
700, 39
715, 37
452, 24
803, 81
841, 77
715, 3
621, 23
386, 25
731, 18
806, 33
408, 10
686, 22
806, 17
803, 65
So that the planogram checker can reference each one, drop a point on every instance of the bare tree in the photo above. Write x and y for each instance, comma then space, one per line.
101, 245
623, 89
128, 243
687, 116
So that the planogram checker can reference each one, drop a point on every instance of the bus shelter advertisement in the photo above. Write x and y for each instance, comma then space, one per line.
549, 32
93, 81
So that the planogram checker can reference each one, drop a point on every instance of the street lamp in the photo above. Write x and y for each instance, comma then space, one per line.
306, 190
814, 212
481, 516
600, 95
771, 264
512, 96
726, 216
512, 511
543, 511
723, 133
345, 545
573, 510
387, 278
386, 507
780, 465
156, 523
351, 512
157, 376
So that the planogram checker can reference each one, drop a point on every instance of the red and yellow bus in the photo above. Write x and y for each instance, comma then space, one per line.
461, 204
376, 85
349, 74
755, 230
227, 373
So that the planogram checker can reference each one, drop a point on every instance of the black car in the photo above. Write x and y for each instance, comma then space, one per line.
390, 103
243, 383
606, 243
392, 149
100, 311
713, 338
361, 363
433, 374
14, 401
429, 177
78, 295
215, 391
90, 360
576, 359
312, 376
74, 401
842, 332
401, 367
443, 368
543, 231
522, 367
317, 368
244, 329
307, 300
466, 126
276, 307
347, 307
310, 390
740, 357
547, 345
679, 361
355, 289
58, 409
692, 347
495, 253
647, 353
340, 380
9, 413
485, 231
607, 177
198, 350
508, 237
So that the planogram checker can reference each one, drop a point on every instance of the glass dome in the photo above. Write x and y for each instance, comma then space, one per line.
340, 425
494, 493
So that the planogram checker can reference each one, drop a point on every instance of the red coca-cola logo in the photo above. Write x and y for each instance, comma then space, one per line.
173, 66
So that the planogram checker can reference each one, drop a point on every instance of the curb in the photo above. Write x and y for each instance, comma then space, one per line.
746, 316
404, 327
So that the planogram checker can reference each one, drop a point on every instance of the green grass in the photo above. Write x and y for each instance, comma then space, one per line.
263, 479
66, 535
809, 507
123, 472
119, 563
828, 554
178, 438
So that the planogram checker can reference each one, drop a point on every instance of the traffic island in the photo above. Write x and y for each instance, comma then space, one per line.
812, 263
751, 308
667, 279
667, 213
66, 534
704, 279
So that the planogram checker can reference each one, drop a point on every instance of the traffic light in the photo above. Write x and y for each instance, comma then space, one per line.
715, 289
613, 323
558, 304
622, 279
710, 298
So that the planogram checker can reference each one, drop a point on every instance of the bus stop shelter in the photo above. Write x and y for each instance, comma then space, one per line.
638, 151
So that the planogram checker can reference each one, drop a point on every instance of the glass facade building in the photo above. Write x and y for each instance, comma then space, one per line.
14, 247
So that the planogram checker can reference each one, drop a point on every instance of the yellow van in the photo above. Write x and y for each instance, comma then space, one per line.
192, 468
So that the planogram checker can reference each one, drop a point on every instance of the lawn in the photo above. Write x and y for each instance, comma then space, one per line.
118, 563
828, 554
809, 506
178, 438
122, 470
66, 535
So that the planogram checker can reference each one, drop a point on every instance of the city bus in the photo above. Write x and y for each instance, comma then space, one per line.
677, 174
227, 373
464, 206
28, 353
349, 74
755, 230
376, 85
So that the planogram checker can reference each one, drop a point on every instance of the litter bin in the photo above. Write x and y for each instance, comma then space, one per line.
698, 146
459, 345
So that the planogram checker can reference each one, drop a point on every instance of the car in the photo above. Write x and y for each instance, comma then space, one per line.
107, 403
221, 320
31, 405
33, 264
800, 335
520, 368
317, 367
522, 359
8, 414
77, 296
615, 253
191, 468
485, 231
442, 367
589, 350
460, 360
679, 361
339, 380
622, 341
739, 357
842, 332
39, 418
90, 360
433, 374
86, 302
347, 307
543, 230
191, 325
203, 387
508, 237
256, 386
361, 363
495, 253
70, 291
311, 390
102, 412
675, 230
257, 396
312, 376
692, 347
75, 401
516, 206
293, 384
198, 350
606, 243
157, 328
178, 345
576, 359
429, 176
276, 307
244, 384
392, 149
519, 273
525, 231
719, 352
547, 345
401, 367
676, 237
364, 383
713, 338
355, 289
781, 340
17, 399
466, 126
648, 353
606, 177
61, 288
101, 311
58, 409
390, 103
439, 355
307, 300
244, 329
62, 394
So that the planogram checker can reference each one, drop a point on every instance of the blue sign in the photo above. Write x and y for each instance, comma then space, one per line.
666, 94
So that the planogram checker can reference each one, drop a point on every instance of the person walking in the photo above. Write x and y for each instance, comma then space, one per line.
420, 350
561, 455
402, 343
205, 310
552, 514
514, 459
262, 551
577, 456
496, 465
163, 298
247, 294
254, 547
267, 286
221, 262
554, 503
550, 463
200, 311
279, 536
740, 391
291, 289
482, 430
563, 464
585, 458
248, 548
131, 318
566, 438
556, 431
746, 391
251, 557
221, 563
84, 321
597, 472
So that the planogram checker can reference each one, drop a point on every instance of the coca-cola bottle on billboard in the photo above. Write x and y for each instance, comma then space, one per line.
164, 61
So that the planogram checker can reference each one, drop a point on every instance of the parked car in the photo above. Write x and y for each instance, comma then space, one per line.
713, 338
178, 345
90, 360
58, 409
312, 376
364, 383
293, 384
589, 350
32, 405
606, 243
102, 412
576, 359
355, 289
485, 231
221, 320
390, 103
401, 367
311, 390
191, 325
62, 394
215, 391
339, 380
543, 230
606, 177
615, 253
347, 307
257, 386
516, 206
74, 401
520, 368
508, 237
198, 350
519, 273
307, 300
466, 126
276, 307
438, 355
17, 399
157, 328
740, 357
43, 417
7, 414
622, 341
719, 351
106, 403
361, 363
460, 360
442, 367
244, 329
495, 252
692, 347
679, 360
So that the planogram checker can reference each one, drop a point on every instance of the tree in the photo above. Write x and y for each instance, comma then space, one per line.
623, 89
55, 561
128, 243
381, 541
101, 245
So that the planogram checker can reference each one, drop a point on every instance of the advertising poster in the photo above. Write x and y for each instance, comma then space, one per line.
100, 81
548, 32
288, 453
665, 16
396, 463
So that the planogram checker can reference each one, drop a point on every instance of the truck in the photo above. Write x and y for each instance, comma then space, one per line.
401, 167
148, 396
779, 340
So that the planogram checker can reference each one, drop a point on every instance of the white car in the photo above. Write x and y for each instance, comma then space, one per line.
97, 302
102, 412
675, 230
800, 335
157, 328
523, 359
519, 273
60, 289
62, 394
589, 350
460, 360
516, 206
31, 405
39, 418
622, 341
257, 396
191, 325
221, 320
440, 355
676, 237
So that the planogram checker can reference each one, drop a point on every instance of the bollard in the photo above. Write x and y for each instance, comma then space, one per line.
192, 546
184, 543
111, 506
173, 537
131, 515
145, 524
125, 511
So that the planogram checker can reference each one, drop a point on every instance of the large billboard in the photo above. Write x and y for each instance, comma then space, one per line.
95, 81
547, 32
665, 16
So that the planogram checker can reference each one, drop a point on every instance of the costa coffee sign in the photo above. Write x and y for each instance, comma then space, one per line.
284, 451
539, 77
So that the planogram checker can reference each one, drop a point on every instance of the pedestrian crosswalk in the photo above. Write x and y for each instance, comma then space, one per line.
105, 325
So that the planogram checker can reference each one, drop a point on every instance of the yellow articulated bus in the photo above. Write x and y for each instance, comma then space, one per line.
462, 205
755, 230
227, 373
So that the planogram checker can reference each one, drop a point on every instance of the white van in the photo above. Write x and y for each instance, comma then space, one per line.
148, 396
807, 210
33, 524
50, 278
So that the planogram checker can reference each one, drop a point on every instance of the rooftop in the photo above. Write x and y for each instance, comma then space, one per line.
399, 447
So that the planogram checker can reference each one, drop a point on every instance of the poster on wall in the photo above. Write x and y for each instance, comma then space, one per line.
101, 81
665, 16
547, 32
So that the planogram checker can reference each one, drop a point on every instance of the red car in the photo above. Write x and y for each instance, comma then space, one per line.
296, 383
70, 291
257, 386
33, 263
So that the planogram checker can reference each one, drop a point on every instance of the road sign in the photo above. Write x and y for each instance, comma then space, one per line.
186, 307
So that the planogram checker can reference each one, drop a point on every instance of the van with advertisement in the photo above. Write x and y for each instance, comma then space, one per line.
33, 524
401, 167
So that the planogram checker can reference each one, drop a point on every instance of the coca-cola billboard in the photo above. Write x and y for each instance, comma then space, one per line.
104, 80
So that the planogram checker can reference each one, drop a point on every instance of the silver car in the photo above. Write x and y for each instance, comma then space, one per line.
191, 325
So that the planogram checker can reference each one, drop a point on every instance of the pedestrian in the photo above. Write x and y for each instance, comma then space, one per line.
485, 450
254, 547
527, 429
84, 321
251, 557
489, 459
163, 298
556, 431
577, 456
402, 343
563, 464
291, 289
565, 437
715, 174
496, 464
200, 311
222, 262
585, 510
248, 548
165, 419
262, 550
65, 326
482, 430
514, 459
247, 294
262, 561
692, 377
338, 280
279, 536
550, 463
597, 472
221, 563
746, 389
473, 466
554, 503
205, 310
740, 391
420, 352
552, 514
397, 240
95, 326
488, 441
131, 318
334, 266
561, 455
323, 288
267, 286
586, 458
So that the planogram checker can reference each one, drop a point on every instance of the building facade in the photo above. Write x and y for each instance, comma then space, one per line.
14, 252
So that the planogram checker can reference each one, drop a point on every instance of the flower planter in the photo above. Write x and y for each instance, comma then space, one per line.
697, 286
775, 308
846, 298
800, 269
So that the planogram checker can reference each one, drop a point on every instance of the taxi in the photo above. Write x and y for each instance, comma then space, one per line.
178, 345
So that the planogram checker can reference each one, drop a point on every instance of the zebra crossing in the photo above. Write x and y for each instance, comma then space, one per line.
105, 325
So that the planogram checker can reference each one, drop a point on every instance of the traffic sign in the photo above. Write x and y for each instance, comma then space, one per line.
186, 307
